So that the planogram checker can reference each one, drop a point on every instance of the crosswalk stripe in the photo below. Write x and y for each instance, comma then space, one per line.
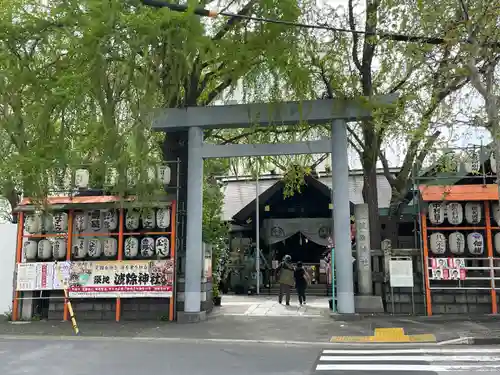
402, 367
411, 350
427, 359
410, 358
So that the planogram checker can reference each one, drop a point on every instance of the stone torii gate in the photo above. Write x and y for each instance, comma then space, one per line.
195, 120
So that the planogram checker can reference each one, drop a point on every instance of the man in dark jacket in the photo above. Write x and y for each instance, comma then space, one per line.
286, 279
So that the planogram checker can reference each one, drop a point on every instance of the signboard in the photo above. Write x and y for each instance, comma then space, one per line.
39, 276
448, 269
100, 279
127, 279
401, 272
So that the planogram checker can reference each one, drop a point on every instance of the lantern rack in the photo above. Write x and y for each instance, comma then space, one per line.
68, 202
481, 272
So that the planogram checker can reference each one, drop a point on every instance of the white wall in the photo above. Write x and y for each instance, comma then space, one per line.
7, 259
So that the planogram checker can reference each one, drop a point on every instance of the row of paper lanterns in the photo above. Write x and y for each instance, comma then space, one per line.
454, 212
160, 174
457, 241
472, 162
97, 220
45, 249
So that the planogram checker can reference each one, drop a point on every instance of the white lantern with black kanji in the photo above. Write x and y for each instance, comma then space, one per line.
475, 243
436, 213
111, 177
495, 210
438, 243
60, 222
493, 162
59, 248
162, 247
44, 249
33, 223
151, 174
164, 174
148, 218
147, 247
473, 213
94, 248
496, 241
95, 220
82, 178
132, 176
110, 219
131, 247
110, 247
163, 218
454, 213
30, 249
456, 242
472, 162
132, 219
47, 223
80, 248
81, 222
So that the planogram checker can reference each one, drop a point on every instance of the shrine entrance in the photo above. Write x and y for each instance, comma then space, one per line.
190, 123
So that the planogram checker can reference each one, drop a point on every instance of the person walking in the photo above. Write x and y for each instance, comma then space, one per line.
302, 280
286, 279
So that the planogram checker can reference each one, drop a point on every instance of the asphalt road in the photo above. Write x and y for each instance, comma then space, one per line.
129, 356
126, 356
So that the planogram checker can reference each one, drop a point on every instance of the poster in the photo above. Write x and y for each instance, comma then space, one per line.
127, 279
448, 269
100, 279
35, 276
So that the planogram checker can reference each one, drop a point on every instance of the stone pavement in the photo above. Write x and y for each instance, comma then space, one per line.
268, 306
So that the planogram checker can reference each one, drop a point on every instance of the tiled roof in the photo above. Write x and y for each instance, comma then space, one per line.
241, 192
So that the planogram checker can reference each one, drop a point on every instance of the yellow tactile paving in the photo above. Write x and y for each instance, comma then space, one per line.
387, 335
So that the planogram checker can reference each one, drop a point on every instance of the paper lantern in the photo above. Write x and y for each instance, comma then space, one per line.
454, 213
148, 218
475, 243
151, 174
147, 247
111, 177
496, 240
472, 162
60, 222
164, 174
163, 218
59, 248
162, 247
436, 213
473, 212
132, 177
81, 222
47, 222
94, 248
30, 249
44, 249
95, 220
110, 247
33, 223
132, 219
110, 219
82, 178
80, 248
438, 243
493, 162
131, 247
456, 242
495, 208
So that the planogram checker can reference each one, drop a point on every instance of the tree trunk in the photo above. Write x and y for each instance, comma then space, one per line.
370, 196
